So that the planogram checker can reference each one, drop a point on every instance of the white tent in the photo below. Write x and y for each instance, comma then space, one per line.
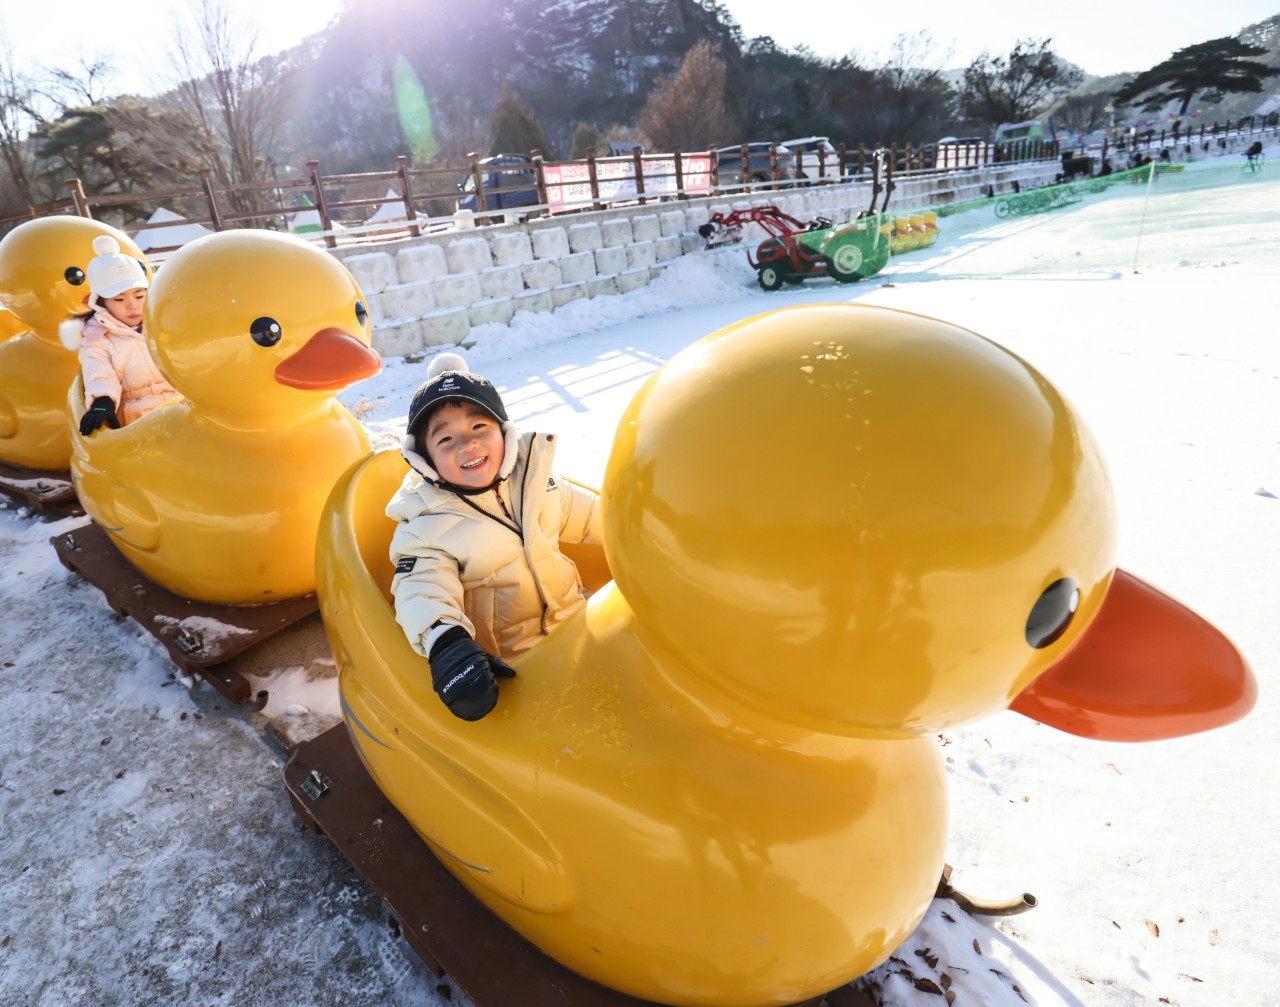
307, 220
165, 230
390, 211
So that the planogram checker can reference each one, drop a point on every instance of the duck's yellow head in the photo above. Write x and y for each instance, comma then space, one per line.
43, 269
858, 519
256, 325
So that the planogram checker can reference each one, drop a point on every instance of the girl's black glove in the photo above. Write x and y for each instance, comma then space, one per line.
465, 675
102, 411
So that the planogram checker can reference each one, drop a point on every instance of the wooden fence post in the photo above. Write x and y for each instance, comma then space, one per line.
639, 172
78, 197
477, 180
593, 179
410, 214
540, 180
321, 206
211, 196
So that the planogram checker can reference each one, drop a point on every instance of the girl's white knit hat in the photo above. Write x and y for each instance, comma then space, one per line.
110, 272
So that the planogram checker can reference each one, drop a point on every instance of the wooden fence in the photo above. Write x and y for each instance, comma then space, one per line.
429, 195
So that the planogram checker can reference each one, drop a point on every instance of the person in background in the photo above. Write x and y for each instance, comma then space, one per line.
121, 381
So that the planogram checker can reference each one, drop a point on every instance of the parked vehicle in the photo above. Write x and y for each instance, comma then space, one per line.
507, 181
760, 165
814, 157
1022, 141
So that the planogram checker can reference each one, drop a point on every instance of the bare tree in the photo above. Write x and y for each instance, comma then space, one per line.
85, 83
20, 112
231, 93
1083, 112
907, 96
1015, 87
692, 109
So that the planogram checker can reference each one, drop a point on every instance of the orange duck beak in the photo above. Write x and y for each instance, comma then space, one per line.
1146, 669
329, 360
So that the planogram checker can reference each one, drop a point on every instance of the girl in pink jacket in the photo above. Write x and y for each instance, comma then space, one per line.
121, 382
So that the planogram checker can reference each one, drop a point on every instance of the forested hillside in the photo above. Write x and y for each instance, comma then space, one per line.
439, 80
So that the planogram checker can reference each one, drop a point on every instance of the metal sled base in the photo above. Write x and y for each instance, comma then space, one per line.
451, 931
199, 635
48, 492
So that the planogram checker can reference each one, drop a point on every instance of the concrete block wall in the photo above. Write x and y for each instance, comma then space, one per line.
432, 290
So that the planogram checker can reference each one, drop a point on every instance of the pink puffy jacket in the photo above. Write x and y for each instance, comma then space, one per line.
118, 364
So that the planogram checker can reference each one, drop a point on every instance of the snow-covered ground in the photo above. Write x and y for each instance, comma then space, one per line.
149, 855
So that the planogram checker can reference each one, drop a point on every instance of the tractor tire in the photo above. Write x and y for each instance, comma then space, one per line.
770, 276
845, 261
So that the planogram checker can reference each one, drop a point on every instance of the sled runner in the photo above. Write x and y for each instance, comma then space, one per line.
49, 492
449, 929
200, 636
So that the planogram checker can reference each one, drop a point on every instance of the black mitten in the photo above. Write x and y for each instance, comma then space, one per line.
465, 675
102, 411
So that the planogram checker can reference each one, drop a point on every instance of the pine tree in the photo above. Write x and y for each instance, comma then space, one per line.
584, 138
513, 128
1217, 67
692, 109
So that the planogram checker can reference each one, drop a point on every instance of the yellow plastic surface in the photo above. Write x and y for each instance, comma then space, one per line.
218, 494
845, 515
35, 368
11, 325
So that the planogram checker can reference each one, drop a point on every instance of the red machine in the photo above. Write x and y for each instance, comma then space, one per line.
797, 250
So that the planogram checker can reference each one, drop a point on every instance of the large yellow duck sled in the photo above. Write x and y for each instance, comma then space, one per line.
43, 267
217, 495
835, 530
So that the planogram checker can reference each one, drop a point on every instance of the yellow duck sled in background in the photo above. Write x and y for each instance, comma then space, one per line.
217, 495
835, 531
43, 281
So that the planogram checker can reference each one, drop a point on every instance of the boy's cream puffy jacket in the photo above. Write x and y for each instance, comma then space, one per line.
489, 562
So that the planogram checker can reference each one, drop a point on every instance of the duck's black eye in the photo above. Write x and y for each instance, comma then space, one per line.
361, 313
74, 275
1052, 613
266, 331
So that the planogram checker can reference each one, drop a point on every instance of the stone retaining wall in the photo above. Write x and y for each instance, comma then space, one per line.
431, 290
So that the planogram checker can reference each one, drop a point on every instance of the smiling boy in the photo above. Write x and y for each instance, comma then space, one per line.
479, 575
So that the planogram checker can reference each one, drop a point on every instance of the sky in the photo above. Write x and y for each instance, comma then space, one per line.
148, 853
1100, 36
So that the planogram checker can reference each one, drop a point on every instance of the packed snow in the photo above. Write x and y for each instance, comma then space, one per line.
149, 854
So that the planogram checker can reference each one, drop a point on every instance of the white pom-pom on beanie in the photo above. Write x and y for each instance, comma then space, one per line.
447, 361
112, 273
